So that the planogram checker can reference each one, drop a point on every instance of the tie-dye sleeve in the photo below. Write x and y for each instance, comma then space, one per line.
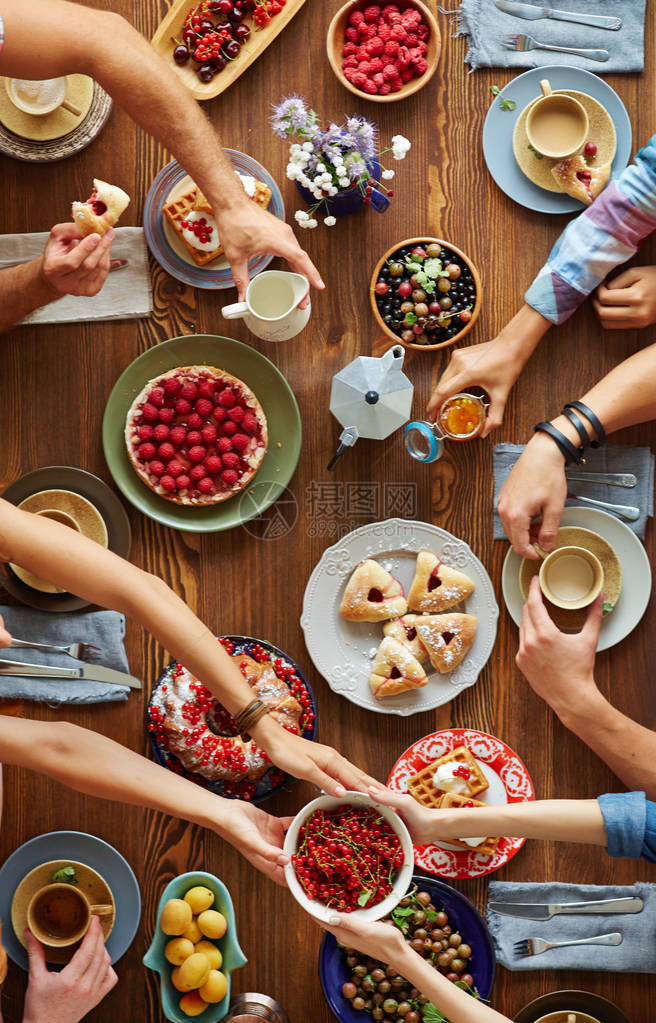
605, 235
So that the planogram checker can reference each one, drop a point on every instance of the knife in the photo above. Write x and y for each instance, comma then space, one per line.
87, 673
613, 479
544, 911
6, 264
533, 13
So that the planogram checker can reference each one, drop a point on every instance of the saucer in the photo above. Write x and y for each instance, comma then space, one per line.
636, 571
571, 1001
33, 150
602, 131
90, 882
68, 847
573, 536
44, 128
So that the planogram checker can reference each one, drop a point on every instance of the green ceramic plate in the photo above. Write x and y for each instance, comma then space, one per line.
277, 400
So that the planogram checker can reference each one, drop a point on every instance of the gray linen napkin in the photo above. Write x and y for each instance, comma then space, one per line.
126, 293
486, 26
104, 629
610, 458
636, 954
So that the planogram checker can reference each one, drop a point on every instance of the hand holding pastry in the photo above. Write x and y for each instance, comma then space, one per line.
72, 265
535, 486
558, 667
257, 835
628, 301
67, 996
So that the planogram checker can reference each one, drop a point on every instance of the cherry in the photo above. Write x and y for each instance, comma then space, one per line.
206, 26
225, 6
206, 73
590, 149
381, 288
218, 63
189, 37
241, 33
237, 15
404, 289
180, 54
232, 48
375, 596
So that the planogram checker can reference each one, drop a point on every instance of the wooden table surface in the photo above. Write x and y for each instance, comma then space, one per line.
55, 382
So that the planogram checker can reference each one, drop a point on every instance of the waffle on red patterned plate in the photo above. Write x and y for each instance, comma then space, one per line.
196, 435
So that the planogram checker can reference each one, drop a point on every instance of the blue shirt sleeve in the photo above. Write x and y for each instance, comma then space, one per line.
630, 822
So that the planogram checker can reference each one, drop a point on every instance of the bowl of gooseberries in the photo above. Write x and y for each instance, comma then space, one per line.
425, 293
348, 854
194, 948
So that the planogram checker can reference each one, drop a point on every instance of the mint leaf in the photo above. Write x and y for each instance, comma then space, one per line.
494, 89
534, 151
433, 267
430, 914
606, 608
64, 876
429, 287
410, 319
433, 1015
507, 104
412, 264
363, 898
402, 911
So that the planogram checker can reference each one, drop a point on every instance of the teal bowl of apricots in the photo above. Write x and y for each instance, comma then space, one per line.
194, 948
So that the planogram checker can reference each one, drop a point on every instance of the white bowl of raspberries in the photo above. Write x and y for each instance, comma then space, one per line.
384, 51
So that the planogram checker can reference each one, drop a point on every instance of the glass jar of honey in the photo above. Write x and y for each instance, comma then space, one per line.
460, 417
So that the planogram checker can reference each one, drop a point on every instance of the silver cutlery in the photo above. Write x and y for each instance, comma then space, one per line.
536, 946
533, 13
77, 650
522, 43
545, 911
625, 511
87, 673
6, 264
613, 479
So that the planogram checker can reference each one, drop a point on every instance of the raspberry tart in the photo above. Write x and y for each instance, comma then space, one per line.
196, 435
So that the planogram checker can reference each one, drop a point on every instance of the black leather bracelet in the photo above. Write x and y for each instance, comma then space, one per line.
578, 425
567, 449
593, 419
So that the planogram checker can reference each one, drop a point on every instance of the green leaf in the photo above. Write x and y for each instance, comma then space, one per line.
64, 876
507, 104
412, 264
429, 287
494, 89
606, 607
430, 914
363, 898
433, 1015
402, 911
410, 319
433, 267
534, 151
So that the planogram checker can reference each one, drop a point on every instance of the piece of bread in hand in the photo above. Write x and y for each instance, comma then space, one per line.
578, 179
101, 210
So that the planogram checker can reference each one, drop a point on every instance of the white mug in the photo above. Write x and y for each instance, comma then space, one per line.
271, 307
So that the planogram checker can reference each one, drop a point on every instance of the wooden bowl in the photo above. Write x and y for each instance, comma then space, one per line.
336, 39
425, 240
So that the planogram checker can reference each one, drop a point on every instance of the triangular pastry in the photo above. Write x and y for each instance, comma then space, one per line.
372, 595
578, 179
404, 630
395, 670
436, 586
447, 638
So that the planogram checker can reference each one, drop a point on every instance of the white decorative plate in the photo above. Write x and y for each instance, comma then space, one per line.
343, 651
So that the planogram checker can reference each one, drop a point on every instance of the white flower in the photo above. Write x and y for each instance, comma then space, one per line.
330, 221
344, 182
320, 168
387, 175
312, 222
300, 216
308, 147
338, 161
401, 142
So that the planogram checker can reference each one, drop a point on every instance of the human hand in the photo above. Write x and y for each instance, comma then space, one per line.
536, 485
73, 265
558, 667
379, 940
422, 823
258, 836
251, 231
67, 996
628, 300
5, 637
488, 366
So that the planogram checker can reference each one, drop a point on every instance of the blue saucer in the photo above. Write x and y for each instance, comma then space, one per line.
334, 972
500, 124
73, 845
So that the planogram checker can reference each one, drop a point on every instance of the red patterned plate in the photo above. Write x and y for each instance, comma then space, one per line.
509, 783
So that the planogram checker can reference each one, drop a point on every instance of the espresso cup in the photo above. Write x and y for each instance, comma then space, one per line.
60, 516
556, 125
567, 1017
271, 307
39, 97
59, 915
571, 577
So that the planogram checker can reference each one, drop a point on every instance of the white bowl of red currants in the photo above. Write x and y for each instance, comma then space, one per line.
349, 854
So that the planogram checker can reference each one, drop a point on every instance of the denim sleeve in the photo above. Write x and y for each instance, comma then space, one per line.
605, 235
630, 822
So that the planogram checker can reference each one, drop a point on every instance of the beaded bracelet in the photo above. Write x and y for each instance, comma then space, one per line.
567, 449
593, 419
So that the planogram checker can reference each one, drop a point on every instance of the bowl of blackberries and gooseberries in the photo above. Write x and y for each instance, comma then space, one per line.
425, 293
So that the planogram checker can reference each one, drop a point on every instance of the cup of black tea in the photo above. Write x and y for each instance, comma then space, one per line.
59, 914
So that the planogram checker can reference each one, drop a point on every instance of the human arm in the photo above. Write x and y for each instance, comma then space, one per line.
537, 484
69, 265
628, 301
384, 942
72, 38
78, 565
67, 996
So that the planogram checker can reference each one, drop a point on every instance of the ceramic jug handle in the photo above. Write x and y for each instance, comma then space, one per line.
379, 202
236, 311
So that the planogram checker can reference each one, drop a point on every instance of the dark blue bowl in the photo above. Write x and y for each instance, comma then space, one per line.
462, 913
267, 785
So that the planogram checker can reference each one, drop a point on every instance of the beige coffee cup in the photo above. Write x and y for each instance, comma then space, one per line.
571, 577
556, 125
59, 915
567, 1017
39, 97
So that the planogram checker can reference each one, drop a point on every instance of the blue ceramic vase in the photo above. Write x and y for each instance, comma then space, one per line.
350, 200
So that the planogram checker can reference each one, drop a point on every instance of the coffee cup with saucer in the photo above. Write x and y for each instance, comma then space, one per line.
571, 577
39, 98
556, 124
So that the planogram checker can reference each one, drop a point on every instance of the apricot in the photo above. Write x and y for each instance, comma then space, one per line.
192, 932
175, 979
212, 924
176, 916
209, 949
178, 949
194, 972
192, 1004
215, 987
199, 899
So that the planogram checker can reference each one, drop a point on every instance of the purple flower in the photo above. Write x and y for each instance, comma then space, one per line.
291, 116
365, 136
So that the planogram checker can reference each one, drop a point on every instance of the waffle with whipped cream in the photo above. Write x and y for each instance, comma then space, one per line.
427, 791
485, 846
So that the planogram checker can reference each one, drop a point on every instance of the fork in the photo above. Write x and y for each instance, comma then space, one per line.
535, 946
521, 43
77, 650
